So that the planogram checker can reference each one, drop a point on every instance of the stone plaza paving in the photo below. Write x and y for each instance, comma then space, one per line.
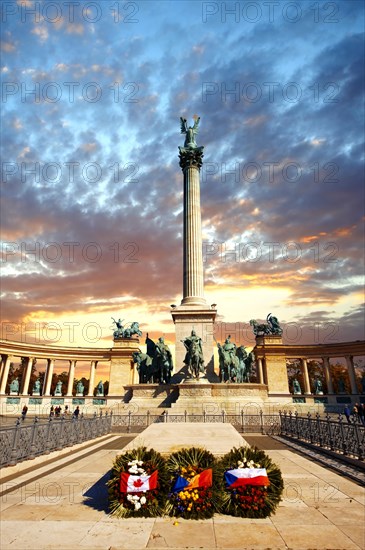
60, 501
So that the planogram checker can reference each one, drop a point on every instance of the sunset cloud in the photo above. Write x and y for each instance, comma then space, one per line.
92, 189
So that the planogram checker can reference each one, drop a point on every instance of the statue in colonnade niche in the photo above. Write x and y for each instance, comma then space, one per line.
58, 390
37, 386
14, 386
296, 387
318, 387
125, 331
80, 388
100, 389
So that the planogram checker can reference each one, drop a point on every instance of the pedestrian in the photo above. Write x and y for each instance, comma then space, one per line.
355, 412
347, 413
51, 411
361, 413
24, 412
76, 412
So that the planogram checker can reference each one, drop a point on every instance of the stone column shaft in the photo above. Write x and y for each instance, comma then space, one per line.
48, 377
327, 373
71, 376
307, 386
26, 377
5, 374
92, 378
193, 281
351, 371
260, 372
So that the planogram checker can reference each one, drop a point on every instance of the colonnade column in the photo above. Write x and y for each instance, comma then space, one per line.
48, 377
71, 376
351, 371
307, 386
5, 374
92, 378
26, 377
260, 374
327, 373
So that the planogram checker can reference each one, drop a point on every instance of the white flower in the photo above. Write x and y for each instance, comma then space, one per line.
143, 500
140, 462
137, 505
141, 471
130, 498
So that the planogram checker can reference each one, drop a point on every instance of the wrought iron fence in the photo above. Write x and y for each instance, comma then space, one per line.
26, 441
344, 437
253, 423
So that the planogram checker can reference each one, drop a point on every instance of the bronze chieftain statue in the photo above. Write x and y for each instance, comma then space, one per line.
194, 355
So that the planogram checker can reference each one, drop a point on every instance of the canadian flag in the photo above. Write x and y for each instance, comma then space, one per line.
137, 484
246, 476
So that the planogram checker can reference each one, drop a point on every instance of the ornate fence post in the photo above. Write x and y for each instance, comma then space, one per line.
242, 421
319, 429
185, 416
343, 440
358, 441
262, 422
47, 449
204, 416
14, 451
309, 416
60, 440
223, 416
329, 431
32, 445
148, 418
129, 422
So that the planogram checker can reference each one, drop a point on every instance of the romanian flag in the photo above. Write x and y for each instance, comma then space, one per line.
246, 476
137, 484
204, 479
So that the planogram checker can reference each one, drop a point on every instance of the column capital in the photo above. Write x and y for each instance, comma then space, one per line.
191, 157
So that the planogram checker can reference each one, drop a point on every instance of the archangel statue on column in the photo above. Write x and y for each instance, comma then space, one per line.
190, 131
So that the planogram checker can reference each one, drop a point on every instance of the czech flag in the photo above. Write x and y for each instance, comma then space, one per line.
137, 484
246, 476
204, 479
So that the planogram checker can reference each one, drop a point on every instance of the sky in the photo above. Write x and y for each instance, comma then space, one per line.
92, 192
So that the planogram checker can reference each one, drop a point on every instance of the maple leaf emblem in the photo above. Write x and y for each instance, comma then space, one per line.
138, 483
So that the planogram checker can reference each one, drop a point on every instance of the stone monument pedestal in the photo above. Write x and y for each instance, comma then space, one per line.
201, 319
269, 350
122, 369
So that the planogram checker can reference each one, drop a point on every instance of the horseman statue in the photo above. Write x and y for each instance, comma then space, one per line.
194, 355
144, 367
234, 363
125, 331
161, 364
228, 360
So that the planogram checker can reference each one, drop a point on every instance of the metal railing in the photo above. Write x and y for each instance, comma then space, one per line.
253, 423
26, 441
347, 438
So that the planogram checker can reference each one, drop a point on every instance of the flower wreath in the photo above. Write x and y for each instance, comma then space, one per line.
193, 486
138, 484
250, 483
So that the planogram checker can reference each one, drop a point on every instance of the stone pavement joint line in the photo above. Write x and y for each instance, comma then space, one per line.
64, 505
343, 467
